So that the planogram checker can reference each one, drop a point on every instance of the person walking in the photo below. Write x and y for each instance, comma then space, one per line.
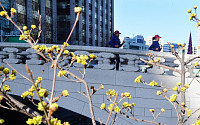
155, 44
116, 43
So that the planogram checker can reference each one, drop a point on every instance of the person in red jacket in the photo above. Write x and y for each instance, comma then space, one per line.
115, 43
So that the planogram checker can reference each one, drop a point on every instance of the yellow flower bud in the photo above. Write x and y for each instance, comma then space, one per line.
183, 104
65, 93
103, 106
178, 84
152, 110
2, 121
189, 11
3, 13
53, 107
162, 110
187, 86
133, 104
164, 90
1, 68
77, 9
175, 88
172, 46
102, 86
13, 11
196, 64
6, 71
1, 98
195, 7
116, 109
7, 88
33, 26
24, 27
183, 89
158, 93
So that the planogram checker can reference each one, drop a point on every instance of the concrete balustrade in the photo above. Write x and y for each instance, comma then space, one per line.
102, 72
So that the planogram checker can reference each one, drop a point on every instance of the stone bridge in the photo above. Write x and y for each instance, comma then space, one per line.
103, 72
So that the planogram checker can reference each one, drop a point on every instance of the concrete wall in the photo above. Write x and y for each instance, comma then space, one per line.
143, 96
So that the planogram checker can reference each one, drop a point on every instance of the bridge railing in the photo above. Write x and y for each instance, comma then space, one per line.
18, 53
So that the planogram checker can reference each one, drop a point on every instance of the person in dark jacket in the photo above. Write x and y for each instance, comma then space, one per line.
115, 43
155, 45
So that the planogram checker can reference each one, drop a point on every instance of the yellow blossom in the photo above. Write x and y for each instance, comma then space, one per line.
67, 123
198, 122
92, 56
187, 86
7, 88
103, 106
178, 84
40, 78
189, 11
43, 92
196, 64
162, 110
138, 79
110, 107
152, 110
195, 7
179, 44
25, 94
164, 90
183, 104
183, 89
66, 52
36, 47
77, 9
13, 11
29, 121
158, 93
12, 77
53, 107
116, 109
153, 83
24, 27
65, 93
2, 121
3, 13
198, 24
125, 104
133, 104
40, 106
72, 54
172, 46
175, 88
188, 111
110, 92
102, 86
173, 97
1, 98
33, 26
6, 71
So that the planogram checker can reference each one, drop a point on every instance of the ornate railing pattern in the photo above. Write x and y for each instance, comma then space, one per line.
17, 53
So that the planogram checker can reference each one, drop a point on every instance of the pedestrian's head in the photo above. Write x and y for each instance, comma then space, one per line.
117, 33
156, 37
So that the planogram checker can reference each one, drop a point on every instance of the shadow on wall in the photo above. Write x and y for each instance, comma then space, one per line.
64, 115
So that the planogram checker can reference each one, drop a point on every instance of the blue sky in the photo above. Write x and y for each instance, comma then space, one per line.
168, 18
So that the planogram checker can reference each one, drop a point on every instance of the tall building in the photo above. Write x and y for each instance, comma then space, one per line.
95, 25
94, 28
27, 14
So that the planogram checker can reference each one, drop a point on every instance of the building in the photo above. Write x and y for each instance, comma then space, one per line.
27, 14
94, 28
96, 22
135, 43
166, 47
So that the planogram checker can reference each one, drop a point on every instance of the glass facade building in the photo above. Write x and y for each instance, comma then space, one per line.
94, 28
95, 25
